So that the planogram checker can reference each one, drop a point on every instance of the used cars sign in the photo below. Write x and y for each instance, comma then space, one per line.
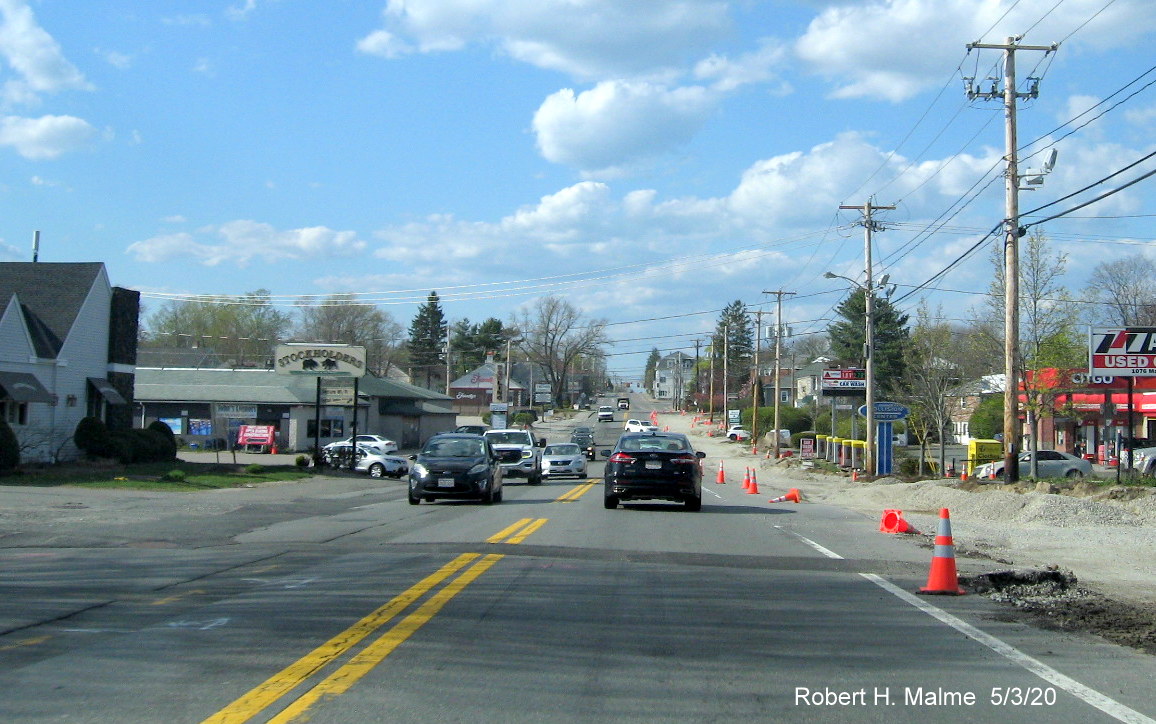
1129, 352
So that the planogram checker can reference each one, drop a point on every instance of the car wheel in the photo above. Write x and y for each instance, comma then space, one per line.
498, 496
376, 470
1074, 474
610, 502
535, 479
693, 504
488, 497
413, 499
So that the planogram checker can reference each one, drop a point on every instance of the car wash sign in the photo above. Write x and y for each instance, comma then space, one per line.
1116, 352
320, 360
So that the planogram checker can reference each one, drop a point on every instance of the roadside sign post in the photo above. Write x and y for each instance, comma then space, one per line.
323, 360
885, 413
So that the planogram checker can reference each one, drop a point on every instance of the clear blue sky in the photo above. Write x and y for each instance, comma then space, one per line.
642, 158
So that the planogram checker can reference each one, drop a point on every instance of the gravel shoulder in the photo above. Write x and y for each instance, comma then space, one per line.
1078, 557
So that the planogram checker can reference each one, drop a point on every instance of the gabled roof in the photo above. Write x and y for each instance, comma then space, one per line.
50, 295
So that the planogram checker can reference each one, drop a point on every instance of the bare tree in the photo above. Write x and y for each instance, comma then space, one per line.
555, 336
1126, 289
342, 319
930, 376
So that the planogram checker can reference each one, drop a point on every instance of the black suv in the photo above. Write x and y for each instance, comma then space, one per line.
456, 466
653, 466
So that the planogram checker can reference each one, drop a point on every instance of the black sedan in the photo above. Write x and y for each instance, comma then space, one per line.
455, 466
653, 466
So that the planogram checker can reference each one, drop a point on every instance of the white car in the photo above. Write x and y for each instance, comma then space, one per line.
563, 458
1049, 464
379, 465
383, 444
640, 426
738, 433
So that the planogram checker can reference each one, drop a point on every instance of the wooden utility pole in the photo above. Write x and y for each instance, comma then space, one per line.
1012, 233
778, 362
869, 226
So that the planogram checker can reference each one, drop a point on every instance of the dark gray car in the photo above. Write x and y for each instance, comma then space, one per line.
455, 466
653, 466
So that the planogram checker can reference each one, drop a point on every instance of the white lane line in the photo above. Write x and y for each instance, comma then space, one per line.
1109, 706
712, 492
813, 544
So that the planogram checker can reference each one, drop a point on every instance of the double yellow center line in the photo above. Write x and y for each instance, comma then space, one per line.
266, 694
575, 493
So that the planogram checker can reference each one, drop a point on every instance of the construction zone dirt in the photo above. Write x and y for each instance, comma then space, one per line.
1070, 555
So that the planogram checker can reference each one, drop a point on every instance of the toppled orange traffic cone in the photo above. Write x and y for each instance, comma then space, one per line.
722, 478
793, 496
754, 489
943, 578
746, 478
893, 522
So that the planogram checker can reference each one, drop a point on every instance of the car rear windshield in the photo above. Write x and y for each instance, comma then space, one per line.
645, 444
563, 449
455, 448
509, 438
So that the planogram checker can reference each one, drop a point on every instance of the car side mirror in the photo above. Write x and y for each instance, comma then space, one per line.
412, 457
605, 453
541, 442
699, 454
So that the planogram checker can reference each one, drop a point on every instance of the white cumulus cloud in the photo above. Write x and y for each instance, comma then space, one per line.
619, 123
34, 56
590, 39
45, 137
242, 241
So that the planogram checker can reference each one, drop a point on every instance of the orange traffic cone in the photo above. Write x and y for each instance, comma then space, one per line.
943, 578
854, 476
746, 479
754, 489
963, 475
722, 478
893, 522
793, 495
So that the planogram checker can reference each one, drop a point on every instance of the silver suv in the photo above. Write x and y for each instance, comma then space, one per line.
520, 453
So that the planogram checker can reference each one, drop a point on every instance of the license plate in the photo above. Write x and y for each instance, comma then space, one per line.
445, 482
654, 465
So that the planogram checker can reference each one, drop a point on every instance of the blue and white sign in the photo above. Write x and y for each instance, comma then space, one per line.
886, 411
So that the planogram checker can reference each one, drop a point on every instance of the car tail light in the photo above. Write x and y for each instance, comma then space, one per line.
685, 459
621, 458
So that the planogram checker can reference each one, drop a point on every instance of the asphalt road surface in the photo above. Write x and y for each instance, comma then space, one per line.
336, 601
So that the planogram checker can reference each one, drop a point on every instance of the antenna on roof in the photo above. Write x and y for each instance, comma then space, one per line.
36, 245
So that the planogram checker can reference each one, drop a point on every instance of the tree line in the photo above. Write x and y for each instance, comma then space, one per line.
552, 337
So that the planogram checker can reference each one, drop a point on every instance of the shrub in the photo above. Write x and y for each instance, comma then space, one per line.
254, 469
9, 449
92, 436
167, 438
523, 418
174, 476
302, 461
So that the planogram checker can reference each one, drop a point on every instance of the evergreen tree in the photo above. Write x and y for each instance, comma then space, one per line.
891, 339
427, 339
470, 343
734, 337
649, 373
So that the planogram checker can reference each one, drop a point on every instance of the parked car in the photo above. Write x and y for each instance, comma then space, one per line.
605, 413
457, 466
1050, 464
563, 458
472, 429
653, 466
383, 444
1143, 460
640, 426
379, 465
520, 453
738, 433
